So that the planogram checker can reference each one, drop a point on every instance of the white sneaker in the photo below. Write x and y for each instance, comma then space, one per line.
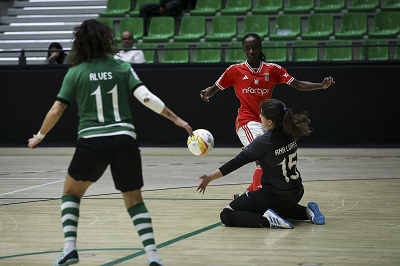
314, 214
277, 222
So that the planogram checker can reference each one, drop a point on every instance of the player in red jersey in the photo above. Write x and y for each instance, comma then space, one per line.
253, 81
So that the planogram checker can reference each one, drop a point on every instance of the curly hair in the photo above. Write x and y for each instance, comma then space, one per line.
294, 125
92, 39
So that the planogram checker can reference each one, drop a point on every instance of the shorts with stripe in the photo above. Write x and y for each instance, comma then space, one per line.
93, 156
249, 132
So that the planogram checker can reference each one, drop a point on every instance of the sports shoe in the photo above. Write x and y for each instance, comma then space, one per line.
155, 263
67, 258
313, 213
277, 222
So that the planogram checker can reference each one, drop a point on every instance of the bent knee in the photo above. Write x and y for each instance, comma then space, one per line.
226, 216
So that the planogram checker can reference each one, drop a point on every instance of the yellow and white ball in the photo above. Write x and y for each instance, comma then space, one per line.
201, 142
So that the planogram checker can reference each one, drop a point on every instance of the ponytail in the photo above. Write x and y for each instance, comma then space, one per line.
293, 125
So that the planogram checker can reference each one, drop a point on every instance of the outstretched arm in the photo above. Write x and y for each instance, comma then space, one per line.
49, 122
207, 93
309, 86
154, 103
167, 113
206, 179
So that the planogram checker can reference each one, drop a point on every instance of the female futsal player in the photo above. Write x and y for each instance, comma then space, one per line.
253, 81
106, 136
282, 187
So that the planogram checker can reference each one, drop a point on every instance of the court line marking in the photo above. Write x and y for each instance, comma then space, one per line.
32, 187
166, 243
141, 252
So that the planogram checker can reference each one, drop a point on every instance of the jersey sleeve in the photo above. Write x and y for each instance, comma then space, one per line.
281, 75
257, 148
66, 94
237, 162
226, 79
133, 81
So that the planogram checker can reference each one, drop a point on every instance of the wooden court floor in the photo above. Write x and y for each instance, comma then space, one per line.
356, 189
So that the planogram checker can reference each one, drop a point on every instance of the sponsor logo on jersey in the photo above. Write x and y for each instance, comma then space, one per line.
266, 76
256, 81
255, 90
245, 77
286, 75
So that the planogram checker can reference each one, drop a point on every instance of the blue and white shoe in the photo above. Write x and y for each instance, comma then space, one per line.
155, 263
313, 213
67, 258
277, 222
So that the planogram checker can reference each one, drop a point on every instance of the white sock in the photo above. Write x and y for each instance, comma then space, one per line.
152, 255
69, 245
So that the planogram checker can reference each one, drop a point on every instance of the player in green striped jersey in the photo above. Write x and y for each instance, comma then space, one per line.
106, 136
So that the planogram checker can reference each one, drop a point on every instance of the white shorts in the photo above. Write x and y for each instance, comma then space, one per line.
249, 132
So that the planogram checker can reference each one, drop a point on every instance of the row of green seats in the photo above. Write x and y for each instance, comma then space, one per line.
287, 27
119, 8
301, 54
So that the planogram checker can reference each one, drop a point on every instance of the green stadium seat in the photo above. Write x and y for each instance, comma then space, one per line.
207, 55
160, 30
235, 55
275, 54
319, 26
116, 8
206, 8
391, 5
305, 54
148, 54
134, 25
255, 23
287, 27
299, 6
352, 26
192, 29
237, 7
108, 21
223, 28
363, 6
375, 52
386, 25
338, 53
175, 56
268, 7
329, 6
139, 3
397, 52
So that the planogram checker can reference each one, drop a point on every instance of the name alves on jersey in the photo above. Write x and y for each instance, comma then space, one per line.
286, 148
100, 76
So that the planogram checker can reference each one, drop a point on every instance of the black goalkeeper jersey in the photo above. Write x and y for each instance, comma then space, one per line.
277, 154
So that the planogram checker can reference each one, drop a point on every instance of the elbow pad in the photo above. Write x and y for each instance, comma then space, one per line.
148, 99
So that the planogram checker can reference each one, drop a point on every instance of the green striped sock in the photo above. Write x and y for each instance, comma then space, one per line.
70, 216
142, 222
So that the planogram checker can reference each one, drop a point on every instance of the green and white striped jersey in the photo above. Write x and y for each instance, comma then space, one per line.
101, 89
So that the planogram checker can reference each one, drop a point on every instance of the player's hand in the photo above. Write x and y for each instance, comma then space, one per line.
205, 180
204, 95
33, 142
328, 81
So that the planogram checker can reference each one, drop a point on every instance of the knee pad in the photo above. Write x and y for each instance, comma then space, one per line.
225, 216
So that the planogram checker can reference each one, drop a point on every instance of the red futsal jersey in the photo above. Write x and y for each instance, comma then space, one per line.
252, 87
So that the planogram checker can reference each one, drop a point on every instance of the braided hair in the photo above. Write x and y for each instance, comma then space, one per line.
256, 36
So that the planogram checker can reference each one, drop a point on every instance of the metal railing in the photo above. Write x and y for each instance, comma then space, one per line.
22, 53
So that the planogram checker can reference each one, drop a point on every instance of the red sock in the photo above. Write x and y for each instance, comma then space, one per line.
256, 180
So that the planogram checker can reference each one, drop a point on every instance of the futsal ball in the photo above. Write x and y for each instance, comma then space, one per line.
201, 142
